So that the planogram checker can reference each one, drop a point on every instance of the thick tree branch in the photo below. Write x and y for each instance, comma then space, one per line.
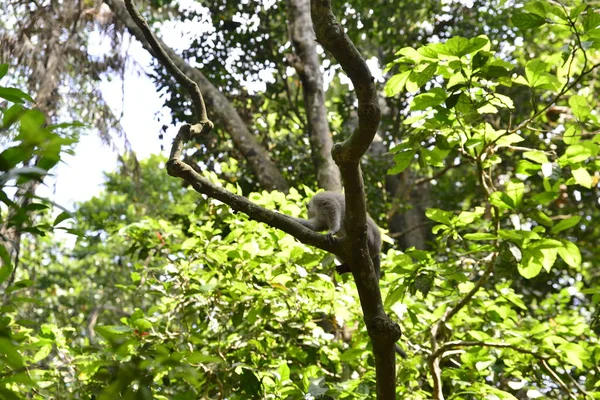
382, 330
178, 168
332, 37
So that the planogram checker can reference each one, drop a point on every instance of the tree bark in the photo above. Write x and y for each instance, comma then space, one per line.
412, 224
382, 330
266, 171
306, 63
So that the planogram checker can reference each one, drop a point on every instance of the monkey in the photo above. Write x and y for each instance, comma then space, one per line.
326, 211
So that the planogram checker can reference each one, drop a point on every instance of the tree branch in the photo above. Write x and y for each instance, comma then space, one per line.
267, 173
178, 168
190, 86
382, 330
434, 360
306, 63
540, 357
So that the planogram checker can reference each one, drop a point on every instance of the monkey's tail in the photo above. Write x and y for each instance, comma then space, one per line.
345, 268
399, 351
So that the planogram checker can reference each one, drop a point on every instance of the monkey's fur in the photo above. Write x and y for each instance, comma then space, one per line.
326, 211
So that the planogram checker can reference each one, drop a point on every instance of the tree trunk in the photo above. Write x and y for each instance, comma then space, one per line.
219, 108
410, 228
306, 63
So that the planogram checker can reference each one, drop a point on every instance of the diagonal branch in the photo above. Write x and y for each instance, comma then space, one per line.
178, 168
259, 160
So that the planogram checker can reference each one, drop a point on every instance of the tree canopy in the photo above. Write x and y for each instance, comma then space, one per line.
468, 130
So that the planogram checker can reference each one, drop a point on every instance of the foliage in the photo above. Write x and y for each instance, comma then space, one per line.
170, 295
28, 138
191, 301
528, 214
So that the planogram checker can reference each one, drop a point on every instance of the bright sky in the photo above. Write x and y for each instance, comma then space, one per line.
80, 176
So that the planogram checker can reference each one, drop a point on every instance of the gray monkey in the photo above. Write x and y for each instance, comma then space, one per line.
326, 211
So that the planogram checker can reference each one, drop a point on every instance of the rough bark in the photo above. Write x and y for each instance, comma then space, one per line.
306, 63
382, 330
266, 171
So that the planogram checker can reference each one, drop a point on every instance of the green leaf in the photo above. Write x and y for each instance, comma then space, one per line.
574, 354
394, 296
576, 11
570, 254
42, 353
571, 135
15, 95
480, 236
582, 177
507, 140
434, 97
62, 217
112, 331
537, 156
580, 107
3, 70
402, 160
421, 78
515, 190
501, 200
7, 267
143, 324
591, 20
11, 115
200, 358
524, 20
536, 257
517, 235
396, 83
441, 216
452, 100
566, 224
11, 355
541, 218
460, 46
578, 152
